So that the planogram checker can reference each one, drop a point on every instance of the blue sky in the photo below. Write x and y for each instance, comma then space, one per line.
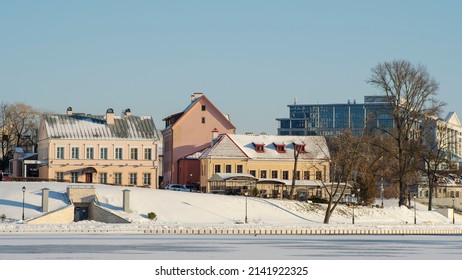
250, 58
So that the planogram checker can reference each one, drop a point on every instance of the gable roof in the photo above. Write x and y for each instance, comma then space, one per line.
177, 117
85, 126
238, 145
452, 118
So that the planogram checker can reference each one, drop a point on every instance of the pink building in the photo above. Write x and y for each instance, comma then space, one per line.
189, 132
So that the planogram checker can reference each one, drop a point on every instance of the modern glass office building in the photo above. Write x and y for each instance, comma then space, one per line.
332, 119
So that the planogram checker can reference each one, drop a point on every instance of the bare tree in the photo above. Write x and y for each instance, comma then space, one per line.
19, 126
411, 93
294, 172
347, 153
436, 144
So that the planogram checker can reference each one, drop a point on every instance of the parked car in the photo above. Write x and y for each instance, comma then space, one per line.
5, 176
192, 188
177, 187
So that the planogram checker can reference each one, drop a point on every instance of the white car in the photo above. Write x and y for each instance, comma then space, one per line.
177, 187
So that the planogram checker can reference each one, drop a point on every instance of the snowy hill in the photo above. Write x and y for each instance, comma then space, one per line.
208, 211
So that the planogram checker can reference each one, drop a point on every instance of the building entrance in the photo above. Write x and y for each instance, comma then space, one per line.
80, 213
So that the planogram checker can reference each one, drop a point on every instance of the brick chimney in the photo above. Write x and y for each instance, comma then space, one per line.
196, 95
127, 112
110, 116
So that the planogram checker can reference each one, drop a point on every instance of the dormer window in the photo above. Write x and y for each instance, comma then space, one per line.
259, 147
280, 147
300, 147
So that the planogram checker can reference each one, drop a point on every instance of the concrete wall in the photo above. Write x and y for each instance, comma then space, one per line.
61, 216
81, 194
102, 215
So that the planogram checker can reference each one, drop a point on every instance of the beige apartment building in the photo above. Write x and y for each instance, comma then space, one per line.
106, 149
237, 163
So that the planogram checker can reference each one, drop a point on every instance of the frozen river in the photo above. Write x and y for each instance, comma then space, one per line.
229, 247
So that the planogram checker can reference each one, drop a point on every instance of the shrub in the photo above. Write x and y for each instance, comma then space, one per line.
152, 215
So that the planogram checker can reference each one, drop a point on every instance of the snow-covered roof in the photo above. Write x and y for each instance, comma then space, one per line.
243, 146
231, 176
85, 126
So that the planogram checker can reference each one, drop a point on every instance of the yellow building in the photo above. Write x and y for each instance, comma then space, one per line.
264, 164
107, 149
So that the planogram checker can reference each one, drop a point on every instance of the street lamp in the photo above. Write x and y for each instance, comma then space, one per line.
245, 194
381, 189
415, 216
23, 196
353, 205
453, 210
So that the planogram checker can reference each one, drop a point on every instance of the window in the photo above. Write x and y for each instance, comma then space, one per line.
280, 147
75, 153
133, 180
253, 173
228, 168
259, 147
274, 174
134, 153
103, 153
60, 152
263, 174
306, 175
89, 154
297, 175
300, 147
103, 178
118, 178
217, 168
285, 175
239, 168
74, 177
203, 107
147, 179
318, 175
118, 153
147, 153
59, 176
203, 120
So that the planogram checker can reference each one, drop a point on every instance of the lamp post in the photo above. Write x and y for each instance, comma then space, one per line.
415, 214
353, 205
23, 196
245, 194
453, 210
381, 189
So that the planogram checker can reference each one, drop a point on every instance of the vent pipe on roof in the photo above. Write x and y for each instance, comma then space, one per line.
110, 116
69, 111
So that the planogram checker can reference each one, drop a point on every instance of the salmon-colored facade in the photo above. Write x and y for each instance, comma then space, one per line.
188, 132
118, 150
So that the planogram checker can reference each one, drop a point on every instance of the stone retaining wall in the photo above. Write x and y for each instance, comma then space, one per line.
312, 231
19, 229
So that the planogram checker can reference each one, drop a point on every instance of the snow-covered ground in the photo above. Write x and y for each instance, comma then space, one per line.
183, 210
